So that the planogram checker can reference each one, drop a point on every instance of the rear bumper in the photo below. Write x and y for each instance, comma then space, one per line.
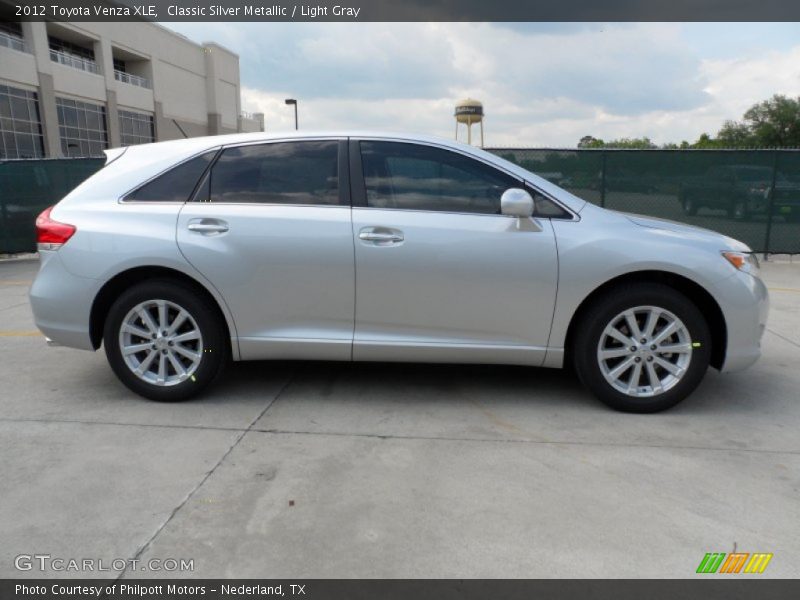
745, 304
62, 303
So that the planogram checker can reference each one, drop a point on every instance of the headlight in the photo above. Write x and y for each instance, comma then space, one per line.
743, 261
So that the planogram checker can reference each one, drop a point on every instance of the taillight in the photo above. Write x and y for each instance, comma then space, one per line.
50, 234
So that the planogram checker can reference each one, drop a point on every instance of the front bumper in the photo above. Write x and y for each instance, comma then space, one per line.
744, 301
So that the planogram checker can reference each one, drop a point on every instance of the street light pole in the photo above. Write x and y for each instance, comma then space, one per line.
294, 102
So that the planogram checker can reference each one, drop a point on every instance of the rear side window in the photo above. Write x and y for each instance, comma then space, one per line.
278, 173
177, 184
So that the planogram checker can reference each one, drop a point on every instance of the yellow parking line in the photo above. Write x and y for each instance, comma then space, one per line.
13, 282
791, 290
20, 333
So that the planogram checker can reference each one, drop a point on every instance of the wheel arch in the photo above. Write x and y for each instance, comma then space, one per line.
691, 289
125, 279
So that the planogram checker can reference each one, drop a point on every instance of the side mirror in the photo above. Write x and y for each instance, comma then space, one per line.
516, 202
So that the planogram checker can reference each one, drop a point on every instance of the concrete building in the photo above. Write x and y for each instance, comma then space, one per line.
75, 89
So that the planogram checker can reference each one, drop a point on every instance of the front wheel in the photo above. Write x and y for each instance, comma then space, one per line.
642, 348
164, 340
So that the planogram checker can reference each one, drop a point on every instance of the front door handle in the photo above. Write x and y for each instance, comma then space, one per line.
207, 226
381, 236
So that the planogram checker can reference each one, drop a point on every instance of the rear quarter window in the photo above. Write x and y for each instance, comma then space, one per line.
176, 184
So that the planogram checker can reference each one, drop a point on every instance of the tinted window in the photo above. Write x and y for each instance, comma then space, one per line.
279, 173
414, 177
176, 185
546, 208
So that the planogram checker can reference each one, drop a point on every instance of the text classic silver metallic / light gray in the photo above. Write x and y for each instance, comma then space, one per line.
180, 255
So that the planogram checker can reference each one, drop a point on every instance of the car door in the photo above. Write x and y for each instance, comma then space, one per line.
441, 275
270, 228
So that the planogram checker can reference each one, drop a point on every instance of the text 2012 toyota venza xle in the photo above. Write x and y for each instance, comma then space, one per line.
182, 255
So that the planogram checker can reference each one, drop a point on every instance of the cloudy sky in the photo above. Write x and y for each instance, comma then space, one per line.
542, 84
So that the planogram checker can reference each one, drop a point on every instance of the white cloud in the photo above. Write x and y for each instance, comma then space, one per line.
541, 84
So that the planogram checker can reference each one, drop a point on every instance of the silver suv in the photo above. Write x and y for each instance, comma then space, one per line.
179, 256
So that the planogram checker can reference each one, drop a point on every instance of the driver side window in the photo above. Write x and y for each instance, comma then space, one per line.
415, 177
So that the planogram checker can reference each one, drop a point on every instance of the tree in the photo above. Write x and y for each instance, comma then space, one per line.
735, 135
589, 141
775, 122
632, 143
705, 141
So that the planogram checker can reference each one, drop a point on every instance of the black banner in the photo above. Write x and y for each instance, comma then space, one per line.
402, 10
731, 588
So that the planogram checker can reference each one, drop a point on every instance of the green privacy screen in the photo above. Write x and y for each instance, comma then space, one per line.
27, 187
751, 195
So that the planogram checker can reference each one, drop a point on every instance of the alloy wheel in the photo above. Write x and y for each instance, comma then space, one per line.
644, 351
160, 342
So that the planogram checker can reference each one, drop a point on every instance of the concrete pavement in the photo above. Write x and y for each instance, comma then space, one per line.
345, 470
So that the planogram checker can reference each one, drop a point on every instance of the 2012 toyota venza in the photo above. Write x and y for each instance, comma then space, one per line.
179, 256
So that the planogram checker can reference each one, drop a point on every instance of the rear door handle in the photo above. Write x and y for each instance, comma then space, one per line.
381, 236
207, 226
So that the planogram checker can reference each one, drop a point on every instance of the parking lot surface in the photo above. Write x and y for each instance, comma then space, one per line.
304, 469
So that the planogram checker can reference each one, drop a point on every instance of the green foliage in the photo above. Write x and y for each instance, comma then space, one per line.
773, 123
632, 143
589, 141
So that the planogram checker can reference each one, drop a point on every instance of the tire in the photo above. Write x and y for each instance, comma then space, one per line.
689, 206
691, 340
199, 346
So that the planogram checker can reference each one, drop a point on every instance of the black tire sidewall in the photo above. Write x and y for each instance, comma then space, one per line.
611, 304
215, 347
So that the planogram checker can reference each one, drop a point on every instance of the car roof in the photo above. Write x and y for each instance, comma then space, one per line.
212, 141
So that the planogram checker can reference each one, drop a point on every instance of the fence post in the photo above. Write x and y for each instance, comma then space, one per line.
771, 205
5, 242
603, 179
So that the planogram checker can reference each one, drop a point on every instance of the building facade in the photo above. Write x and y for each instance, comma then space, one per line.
71, 90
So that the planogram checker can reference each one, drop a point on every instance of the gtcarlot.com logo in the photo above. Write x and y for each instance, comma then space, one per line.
736, 562
46, 562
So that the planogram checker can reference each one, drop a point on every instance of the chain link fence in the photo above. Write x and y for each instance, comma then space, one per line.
27, 187
751, 195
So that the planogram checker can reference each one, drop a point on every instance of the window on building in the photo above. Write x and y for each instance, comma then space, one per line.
279, 173
72, 55
11, 37
20, 124
11, 28
66, 47
82, 127
136, 128
119, 65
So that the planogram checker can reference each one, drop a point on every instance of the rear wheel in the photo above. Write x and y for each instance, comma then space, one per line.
642, 348
164, 341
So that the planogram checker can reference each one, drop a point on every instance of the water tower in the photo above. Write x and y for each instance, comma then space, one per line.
469, 112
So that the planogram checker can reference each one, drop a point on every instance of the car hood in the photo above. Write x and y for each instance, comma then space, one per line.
698, 233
